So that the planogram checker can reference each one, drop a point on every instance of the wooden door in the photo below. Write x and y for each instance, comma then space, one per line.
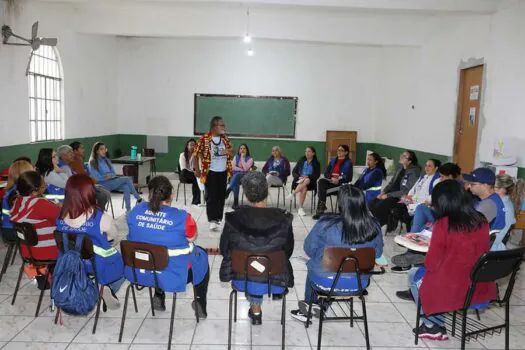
335, 138
466, 133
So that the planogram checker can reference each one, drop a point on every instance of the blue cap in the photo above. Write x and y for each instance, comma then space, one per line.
482, 176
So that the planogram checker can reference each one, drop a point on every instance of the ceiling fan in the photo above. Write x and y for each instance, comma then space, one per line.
35, 42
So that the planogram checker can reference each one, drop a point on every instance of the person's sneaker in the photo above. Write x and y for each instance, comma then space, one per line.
300, 316
405, 295
277, 296
304, 306
301, 212
434, 333
200, 310
317, 215
111, 300
400, 269
159, 302
214, 226
256, 318
139, 200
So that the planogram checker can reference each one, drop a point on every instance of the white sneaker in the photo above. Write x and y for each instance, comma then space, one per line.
214, 226
301, 212
111, 300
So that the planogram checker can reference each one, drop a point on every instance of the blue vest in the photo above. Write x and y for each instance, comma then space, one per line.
166, 228
54, 194
375, 190
343, 171
108, 261
499, 221
6, 210
238, 160
432, 182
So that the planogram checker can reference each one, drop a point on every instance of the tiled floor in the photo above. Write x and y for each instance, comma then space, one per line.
390, 319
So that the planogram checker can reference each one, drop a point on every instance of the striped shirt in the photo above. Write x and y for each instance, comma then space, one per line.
42, 214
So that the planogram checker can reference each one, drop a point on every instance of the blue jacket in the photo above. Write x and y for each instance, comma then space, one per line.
104, 168
325, 234
370, 182
6, 210
346, 170
499, 221
108, 261
55, 194
510, 219
166, 228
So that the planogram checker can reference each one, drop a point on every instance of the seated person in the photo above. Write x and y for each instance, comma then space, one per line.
102, 170
460, 236
353, 227
54, 177
78, 151
423, 213
506, 187
31, 207
305, 175
257, 228
187, 171
339, 172
242, 163
372, 177
419, 194
71, 162
156, 222
276, 168
15, 170
81, 215
481, 183
401, 183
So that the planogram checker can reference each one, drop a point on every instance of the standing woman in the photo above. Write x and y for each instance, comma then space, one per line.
305, 175
214, 152
339, 172
242, 163
277, 168
81, 215
187, 171
157, 222
372, 177
102, 170
54, 177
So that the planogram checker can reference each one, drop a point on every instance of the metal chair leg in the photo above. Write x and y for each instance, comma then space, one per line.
283, 323
151, 301
6, 260
418, 317
464, 330
134, 298
477, 315
172, 319
278, 196
454, 324
230, 304
14, 253
97, 314
18, 282
309, 314
57, 315
365, 321
352, 312
320, 334
177, 194
235, 308
41, 297
507, 326
124, 310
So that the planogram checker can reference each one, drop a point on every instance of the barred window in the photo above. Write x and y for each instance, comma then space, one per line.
45, 95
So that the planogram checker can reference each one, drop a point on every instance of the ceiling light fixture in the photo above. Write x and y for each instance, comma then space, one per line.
247, 37
250, 52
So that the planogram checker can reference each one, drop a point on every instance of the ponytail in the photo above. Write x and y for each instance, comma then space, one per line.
160, 190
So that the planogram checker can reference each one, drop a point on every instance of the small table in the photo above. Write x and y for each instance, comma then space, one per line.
143, 166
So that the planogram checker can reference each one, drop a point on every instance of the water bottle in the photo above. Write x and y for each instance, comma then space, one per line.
139, 156
133, 153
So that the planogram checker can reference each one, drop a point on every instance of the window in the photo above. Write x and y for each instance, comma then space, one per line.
45, 95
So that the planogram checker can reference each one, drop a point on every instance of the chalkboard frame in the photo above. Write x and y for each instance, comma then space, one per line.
196, 95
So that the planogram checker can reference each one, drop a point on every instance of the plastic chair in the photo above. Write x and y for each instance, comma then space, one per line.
28, 238
10, 239
183, 183
256, 267
344, 260
490, 267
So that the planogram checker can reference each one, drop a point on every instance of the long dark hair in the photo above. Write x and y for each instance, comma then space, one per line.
28, 182
247, 150
303, 158
449, 200
44, 164
347, 150
450, 169
359, 225
160, 190
380, 163
186, 153
412, 157
93, 159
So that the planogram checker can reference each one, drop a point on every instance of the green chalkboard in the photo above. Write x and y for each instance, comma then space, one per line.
261, 116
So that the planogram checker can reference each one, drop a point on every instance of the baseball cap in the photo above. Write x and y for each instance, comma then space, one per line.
481, 175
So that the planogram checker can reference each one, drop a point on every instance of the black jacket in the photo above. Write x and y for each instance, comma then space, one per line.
296, 172
257, 230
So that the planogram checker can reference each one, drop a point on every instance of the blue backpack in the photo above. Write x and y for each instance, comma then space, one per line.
72, 289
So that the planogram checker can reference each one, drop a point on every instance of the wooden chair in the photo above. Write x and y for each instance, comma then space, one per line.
490, 267
256, 267
28, 238
148, 257
360, 262
87, 253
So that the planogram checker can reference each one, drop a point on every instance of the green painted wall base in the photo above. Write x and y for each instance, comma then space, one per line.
260, 149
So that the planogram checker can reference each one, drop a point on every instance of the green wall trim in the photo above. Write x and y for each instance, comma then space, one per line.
393, 152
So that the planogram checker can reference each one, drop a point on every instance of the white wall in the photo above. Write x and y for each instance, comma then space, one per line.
90, 78
337, 86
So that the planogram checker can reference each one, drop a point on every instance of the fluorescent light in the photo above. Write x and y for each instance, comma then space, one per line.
250, 52
247, 38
